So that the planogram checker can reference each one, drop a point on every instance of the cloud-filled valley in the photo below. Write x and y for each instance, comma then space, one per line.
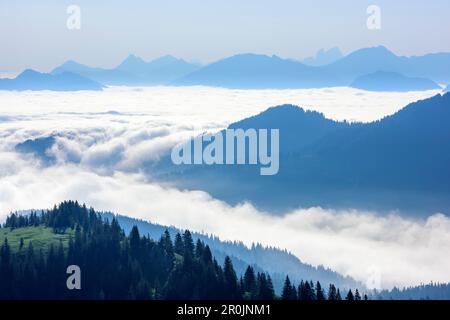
104, 139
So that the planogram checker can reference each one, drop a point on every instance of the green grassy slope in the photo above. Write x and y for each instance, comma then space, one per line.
41, 237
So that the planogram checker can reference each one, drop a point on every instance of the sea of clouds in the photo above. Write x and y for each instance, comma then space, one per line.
104, 139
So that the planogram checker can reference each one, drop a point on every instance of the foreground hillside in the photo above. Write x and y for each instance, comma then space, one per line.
117, 266
37, 248
277, 263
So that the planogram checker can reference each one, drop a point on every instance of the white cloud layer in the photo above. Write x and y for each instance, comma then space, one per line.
100, 153
401, 251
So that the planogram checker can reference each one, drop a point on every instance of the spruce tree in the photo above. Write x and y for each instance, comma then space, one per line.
179, 246
338, 295
249, 282
349, 296
320, 295
230, 278
287, 289
332, 293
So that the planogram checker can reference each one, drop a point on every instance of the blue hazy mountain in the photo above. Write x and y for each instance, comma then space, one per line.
108, 77
134, 71
277, 262
447, 89
158, 71
253, 71
38, 148
65, 81
392, 81
248, 71
324, 57
369, 60
400, 162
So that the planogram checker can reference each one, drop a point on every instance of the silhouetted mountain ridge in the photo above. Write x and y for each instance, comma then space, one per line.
400, 162
65, 81
133, 70
253, 71
369, 60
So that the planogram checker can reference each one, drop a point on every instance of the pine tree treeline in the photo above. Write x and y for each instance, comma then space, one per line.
116, 266
308, 291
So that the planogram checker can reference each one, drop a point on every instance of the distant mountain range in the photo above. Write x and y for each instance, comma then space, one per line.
400, 162
260, 71
252, 71
364, 68
369, 60
65, 81
392, 81
133, 71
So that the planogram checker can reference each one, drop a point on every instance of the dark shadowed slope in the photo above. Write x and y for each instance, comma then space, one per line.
400, 162
33, 80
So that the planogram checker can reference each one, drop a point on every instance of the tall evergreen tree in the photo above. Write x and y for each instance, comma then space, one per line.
357, 295
230, 278
188, 244
287, 289
350, 296
135, 241
320, 295
249, 283
338, 295
332, 293
178, 246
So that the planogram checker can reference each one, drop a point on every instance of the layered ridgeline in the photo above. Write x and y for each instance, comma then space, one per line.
364, 61
65, 81
260, 71
255, 71
399, 162
133, 71
392, 81
38, 248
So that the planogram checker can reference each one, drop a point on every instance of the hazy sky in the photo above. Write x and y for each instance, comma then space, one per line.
34, 33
